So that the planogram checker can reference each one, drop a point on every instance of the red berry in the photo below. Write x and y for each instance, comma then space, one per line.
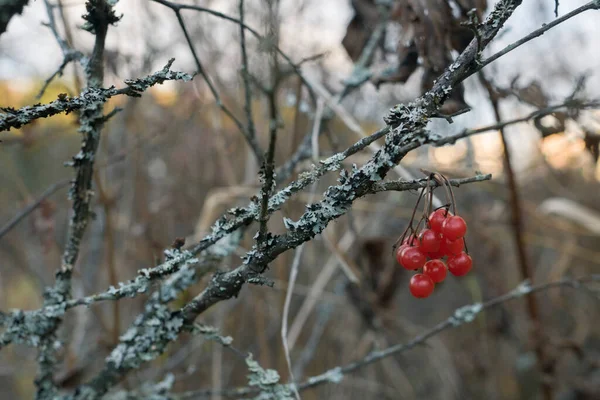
437, 218
421, 286
412, 258
436, 270
399, 252
430, 241
452, 247
454, 227
460, 264
436, 255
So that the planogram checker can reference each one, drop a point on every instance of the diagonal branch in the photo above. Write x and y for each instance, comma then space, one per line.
408, 123
592, 5
461, 316
31, 207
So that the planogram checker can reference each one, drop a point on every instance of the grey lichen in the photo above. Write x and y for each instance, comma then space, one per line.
267, 381
334, 375
465, 314
212, 333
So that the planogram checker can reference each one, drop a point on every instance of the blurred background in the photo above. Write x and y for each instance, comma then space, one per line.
170, 163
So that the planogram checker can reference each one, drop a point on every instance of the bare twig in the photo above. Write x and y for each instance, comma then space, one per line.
592, 5
460, 316
569, 105
251, 140
296, 262
178, 7
69, 54
518, 233
107, 201
285, 316
245, 75
29, 209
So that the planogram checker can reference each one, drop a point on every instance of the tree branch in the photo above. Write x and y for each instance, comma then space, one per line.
100, 15
461, 316
90, 98
592, 5
408, 123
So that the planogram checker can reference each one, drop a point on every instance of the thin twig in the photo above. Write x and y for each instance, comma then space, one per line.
286, 311
592, 5
69, 54
460, 316
296, 261
245, 75
250, 139
177, 7
569, 105
525, 268
31, 207
106, 200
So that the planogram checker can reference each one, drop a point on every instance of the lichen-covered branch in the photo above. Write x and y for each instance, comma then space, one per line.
27, 326
157, 326
408, 124
241, 216
267, 173
100, 15
401, 185
90, 98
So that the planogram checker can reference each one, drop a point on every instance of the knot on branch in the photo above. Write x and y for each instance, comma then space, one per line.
465, 314
100, 14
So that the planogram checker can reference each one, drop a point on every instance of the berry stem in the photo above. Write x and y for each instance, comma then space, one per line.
410, 224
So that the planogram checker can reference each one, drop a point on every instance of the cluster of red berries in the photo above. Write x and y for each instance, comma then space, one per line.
442, 238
